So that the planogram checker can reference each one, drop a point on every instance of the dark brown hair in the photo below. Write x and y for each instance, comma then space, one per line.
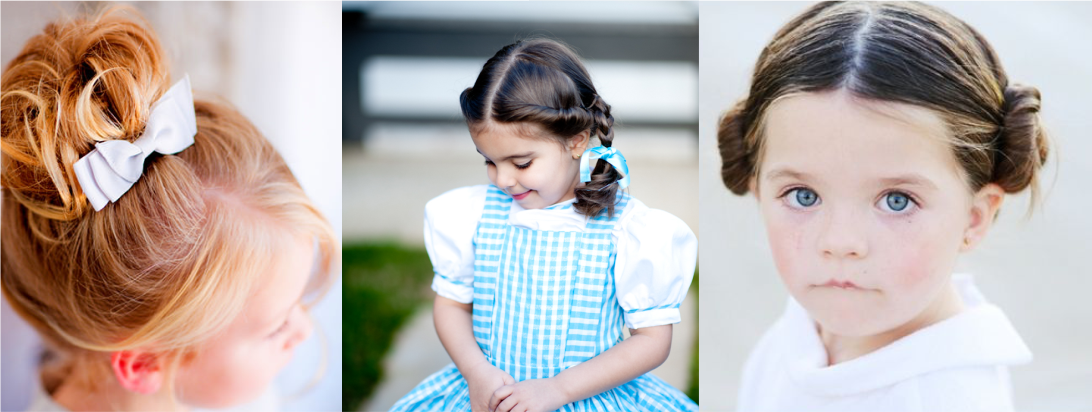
543, 82
901, 52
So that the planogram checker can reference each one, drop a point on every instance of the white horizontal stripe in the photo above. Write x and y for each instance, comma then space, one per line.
430, 86
584, 321
582, 332
437, 141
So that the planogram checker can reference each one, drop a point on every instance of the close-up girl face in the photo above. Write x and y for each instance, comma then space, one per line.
536, 172
240, 363
865, 206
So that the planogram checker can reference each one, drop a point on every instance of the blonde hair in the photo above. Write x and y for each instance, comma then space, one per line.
174, 260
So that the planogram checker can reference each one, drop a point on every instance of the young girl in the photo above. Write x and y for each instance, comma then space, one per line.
880, 140
537, 273
159, 244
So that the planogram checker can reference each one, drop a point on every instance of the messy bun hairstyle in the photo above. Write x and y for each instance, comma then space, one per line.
543, 82
174, 260
902, 52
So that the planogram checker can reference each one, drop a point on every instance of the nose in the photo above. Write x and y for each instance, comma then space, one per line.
505, 177
301, 332
843, 236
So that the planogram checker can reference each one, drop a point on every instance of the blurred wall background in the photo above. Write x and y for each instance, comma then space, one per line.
1034, 267
405, 65
279, 63
405, 142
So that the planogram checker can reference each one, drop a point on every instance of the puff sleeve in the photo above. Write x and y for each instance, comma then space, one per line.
656, 256
450, 222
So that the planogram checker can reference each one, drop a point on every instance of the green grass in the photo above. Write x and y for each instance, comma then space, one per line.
384, 284
692, 391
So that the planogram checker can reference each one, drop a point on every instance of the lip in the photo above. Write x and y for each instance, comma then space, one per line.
521, 196
840, 284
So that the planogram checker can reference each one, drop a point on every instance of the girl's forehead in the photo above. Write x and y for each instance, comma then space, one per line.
843, 112
507, 129
838, 133
506, 139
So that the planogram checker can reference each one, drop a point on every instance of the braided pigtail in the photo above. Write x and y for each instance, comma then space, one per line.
601, 192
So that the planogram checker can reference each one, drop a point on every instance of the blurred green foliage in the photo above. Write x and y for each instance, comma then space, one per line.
384, 284
692, 391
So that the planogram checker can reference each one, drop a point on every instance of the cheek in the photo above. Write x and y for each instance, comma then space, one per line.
919, 252
227, 377
549, 172
788, 235
491, 171
549, 178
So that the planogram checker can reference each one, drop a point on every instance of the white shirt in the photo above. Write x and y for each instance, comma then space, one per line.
655, 251
958, 364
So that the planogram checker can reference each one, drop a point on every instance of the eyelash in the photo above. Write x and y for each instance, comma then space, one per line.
784, 196
280, 329
910, 207
518, 166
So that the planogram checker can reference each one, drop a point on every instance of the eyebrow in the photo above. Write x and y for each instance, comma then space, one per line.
518, 155
786, 173
911, 179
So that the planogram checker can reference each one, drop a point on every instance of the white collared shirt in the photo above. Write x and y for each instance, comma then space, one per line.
958, 364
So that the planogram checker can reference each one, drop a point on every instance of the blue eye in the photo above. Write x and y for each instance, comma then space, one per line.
896, 202
802, 197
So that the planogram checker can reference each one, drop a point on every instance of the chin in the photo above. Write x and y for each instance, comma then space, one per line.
533, 202
846, 326
849, 320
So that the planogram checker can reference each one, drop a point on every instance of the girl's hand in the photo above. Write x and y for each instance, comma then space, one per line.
532, 395
454, 326
483, 380
642, 351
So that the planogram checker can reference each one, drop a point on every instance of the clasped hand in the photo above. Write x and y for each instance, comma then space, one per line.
532, 395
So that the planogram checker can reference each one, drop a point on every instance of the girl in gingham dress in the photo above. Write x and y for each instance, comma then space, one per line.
537, 273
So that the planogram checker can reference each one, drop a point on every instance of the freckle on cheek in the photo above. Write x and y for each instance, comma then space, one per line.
798, 242
912, 268
786, 245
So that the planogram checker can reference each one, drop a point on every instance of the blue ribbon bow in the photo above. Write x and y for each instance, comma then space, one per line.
611, 155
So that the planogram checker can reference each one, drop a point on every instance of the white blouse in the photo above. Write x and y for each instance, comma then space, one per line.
958, 364
655, 251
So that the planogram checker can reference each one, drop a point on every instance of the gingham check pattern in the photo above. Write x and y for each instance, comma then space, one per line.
544, 301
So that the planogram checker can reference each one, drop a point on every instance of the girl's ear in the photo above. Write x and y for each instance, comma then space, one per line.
579, 143
984, 207
137, 370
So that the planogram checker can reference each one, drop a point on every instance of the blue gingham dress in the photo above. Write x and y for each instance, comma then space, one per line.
544, 301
